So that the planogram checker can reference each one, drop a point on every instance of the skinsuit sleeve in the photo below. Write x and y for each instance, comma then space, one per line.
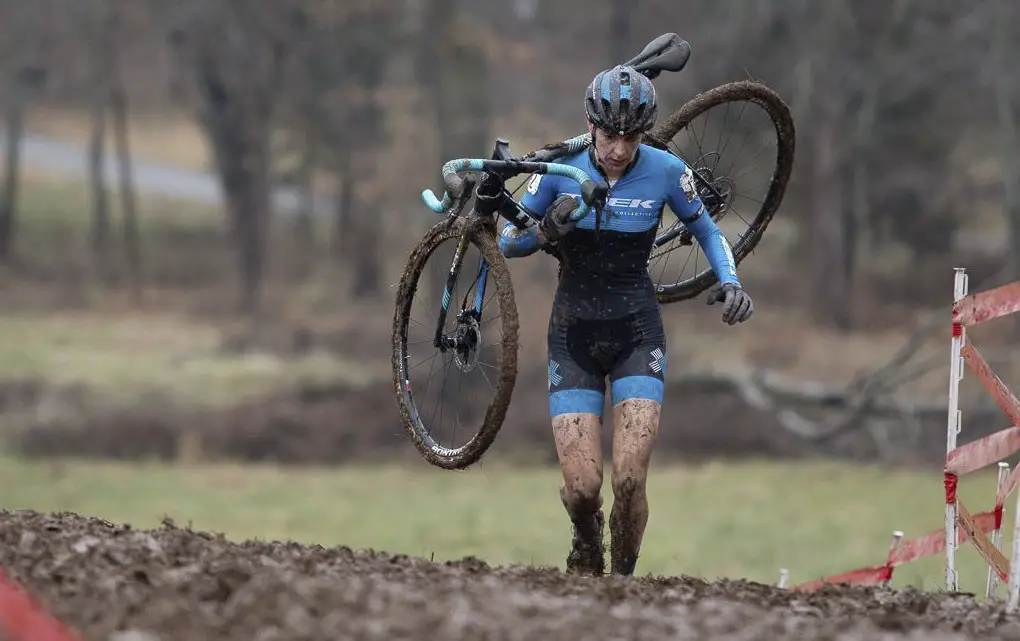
683, 199
539, 194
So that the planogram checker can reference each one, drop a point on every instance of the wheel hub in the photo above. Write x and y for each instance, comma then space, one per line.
464, 340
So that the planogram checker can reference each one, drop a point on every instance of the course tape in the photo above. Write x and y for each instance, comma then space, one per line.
987, 305
929, 544
22, 619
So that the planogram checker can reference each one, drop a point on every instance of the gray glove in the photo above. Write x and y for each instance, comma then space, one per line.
556, 223
737, 304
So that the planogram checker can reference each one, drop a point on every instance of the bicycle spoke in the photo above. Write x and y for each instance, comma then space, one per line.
471, 350
735, 196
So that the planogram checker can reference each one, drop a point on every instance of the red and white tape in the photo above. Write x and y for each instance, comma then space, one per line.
22, 619
972, 457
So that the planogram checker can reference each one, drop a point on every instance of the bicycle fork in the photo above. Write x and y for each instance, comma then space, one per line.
447, 342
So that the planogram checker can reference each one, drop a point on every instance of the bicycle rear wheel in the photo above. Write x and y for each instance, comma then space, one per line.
475, 381
720, 184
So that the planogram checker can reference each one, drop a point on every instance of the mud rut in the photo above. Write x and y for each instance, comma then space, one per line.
173, 583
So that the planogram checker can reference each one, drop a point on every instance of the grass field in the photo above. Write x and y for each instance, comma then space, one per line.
718, 520
126, 357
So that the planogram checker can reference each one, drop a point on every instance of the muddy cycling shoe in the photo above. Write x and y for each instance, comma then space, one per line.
623, 561
587, 555
623, 553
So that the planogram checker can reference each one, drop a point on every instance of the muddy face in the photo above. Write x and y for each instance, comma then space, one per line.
614, 151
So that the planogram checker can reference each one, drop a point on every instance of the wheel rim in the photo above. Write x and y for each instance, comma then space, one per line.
447, 390
733, 147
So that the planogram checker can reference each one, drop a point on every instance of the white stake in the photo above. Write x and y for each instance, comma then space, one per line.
1014, 571
953, 427
993, 576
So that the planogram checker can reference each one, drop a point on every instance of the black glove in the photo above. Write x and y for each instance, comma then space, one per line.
737, 304
556, 223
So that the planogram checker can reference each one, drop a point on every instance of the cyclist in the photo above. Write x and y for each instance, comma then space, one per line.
605, 320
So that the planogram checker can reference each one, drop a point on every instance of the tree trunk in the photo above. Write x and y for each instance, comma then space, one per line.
129, 210
237, 53
342, 241
831, 292
304, 221
246, 185
12, 165
100, 203
618, 34
1008, 141
367, 263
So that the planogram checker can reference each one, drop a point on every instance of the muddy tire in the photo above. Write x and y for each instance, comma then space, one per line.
482, 236
782, 120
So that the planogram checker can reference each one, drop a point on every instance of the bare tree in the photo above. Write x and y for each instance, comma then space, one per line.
99, 15
1004, 83
235, 52
24, 77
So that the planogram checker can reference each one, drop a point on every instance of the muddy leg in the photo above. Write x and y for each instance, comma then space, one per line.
635, 429
579, 447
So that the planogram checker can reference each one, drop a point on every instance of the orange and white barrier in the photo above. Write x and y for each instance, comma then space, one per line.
960, 524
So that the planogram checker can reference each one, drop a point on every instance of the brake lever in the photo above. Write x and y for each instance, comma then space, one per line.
457, 206
595, 193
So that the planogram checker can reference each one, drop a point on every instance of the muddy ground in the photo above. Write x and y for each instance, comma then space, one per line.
172, 583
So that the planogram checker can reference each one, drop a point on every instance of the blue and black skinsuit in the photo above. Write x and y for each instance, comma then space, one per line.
605, 318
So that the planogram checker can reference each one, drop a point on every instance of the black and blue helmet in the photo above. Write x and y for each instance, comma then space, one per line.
621, 100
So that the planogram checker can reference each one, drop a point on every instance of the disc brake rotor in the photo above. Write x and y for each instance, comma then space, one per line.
468, 337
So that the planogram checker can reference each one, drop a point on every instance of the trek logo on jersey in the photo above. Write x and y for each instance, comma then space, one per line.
629, 203
632, 203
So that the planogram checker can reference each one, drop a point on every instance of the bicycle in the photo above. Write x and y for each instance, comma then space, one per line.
477, 228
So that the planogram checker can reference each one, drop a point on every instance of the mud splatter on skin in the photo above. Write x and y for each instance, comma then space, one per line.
578, 444
636, 427
579, 447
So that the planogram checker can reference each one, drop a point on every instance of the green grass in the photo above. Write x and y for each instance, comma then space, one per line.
123, 357
719, 520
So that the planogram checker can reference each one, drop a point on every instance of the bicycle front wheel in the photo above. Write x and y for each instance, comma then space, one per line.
449, 383
712, 133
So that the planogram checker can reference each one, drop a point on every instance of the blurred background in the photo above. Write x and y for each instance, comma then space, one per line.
205, 207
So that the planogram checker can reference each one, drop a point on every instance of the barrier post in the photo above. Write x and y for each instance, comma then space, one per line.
784, 578
960, 524
1014, 569
953, 429
1000, 488
897, 540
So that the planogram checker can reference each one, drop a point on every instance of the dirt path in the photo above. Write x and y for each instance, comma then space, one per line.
176, 584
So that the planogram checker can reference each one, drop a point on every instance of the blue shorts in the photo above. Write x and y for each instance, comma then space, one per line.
583, 353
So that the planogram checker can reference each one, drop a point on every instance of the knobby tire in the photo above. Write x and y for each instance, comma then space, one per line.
481, 235
782, 120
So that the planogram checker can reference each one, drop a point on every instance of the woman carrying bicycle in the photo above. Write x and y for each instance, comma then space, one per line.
605, 322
